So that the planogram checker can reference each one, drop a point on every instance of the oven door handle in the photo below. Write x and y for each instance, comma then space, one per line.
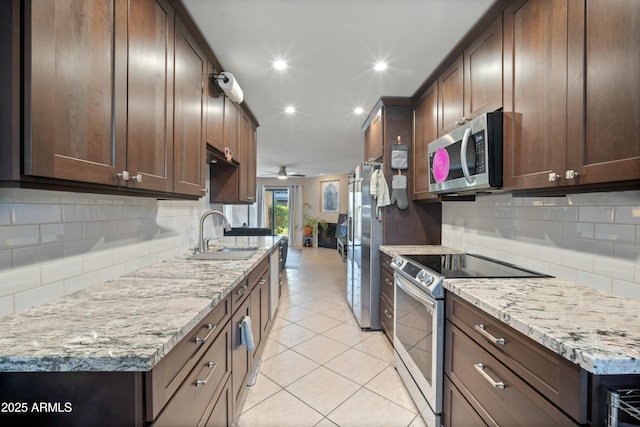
411, 290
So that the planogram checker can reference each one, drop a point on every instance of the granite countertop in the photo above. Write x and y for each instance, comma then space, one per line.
597, 331
127, 324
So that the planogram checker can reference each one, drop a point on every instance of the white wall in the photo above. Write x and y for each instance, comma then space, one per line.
54, 243
592, 239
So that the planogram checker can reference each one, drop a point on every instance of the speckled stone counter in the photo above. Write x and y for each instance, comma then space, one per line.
598, 331
128, 324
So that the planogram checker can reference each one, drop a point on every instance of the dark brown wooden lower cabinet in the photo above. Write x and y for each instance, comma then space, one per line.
222, 414
500, 397
189, 404
239, 354
457, 412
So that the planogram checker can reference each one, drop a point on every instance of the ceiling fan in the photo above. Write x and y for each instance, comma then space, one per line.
283, 174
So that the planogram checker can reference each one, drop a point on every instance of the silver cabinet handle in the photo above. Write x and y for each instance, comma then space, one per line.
388, 282
480, 328
211, 329
553, 176
480, 368
241, 291
137, 177
124, 175
571, 174
212, 367
386, 313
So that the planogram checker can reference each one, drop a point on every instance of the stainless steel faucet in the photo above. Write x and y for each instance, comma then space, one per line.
227, 227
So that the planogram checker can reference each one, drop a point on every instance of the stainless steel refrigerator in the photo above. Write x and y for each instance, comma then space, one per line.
363, 258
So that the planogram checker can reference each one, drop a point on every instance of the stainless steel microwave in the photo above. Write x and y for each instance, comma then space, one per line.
469, 158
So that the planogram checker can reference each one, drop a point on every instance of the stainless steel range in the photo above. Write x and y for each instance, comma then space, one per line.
419, 318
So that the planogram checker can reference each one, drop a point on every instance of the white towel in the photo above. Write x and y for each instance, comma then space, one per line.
246, 334
382, 190
373, 184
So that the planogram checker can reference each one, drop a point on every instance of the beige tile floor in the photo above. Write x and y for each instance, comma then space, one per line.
318, 367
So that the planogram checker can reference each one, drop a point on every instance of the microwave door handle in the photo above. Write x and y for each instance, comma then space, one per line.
463, 156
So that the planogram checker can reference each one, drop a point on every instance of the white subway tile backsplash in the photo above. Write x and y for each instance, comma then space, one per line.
628, 214
79, 213
35, 213
615, 232
60, 270
83, 281
604, 214
64, 232
5, 214
613, 268
591, 238
6, 260
17, 236
6, 306
19, 280
595, 281
30, 255
97, 261
626, 289
37, 296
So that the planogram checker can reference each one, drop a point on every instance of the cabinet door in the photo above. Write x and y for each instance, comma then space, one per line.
189, 146
456, 411
535, 92
150, 97
247, 160
373, 138
425, 123
451, 98
256, 327
76, 90
215, 114
241, 359
231, 113
483, 72
604, 137
222, 414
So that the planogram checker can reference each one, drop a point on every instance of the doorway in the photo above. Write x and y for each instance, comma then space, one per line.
276, 201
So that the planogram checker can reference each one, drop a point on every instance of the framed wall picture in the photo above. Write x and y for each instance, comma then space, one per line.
330, 196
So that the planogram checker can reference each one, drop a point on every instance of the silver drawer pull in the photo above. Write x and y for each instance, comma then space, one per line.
211, 328
386, 313
480, 328
389, 282
199, 383
480, 368
240, 292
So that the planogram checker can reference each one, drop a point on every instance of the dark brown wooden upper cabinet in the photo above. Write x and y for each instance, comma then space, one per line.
215, 115
76, 90
472, 84
190, 68
150, 97
425, 130
231, 117
483, 72
535, 93
451, 97
604, 93
572, 94
373, 138
247, 160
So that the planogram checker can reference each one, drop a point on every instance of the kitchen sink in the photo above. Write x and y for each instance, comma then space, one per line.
225, 253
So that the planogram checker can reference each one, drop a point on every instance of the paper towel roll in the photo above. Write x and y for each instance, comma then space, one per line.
230, 86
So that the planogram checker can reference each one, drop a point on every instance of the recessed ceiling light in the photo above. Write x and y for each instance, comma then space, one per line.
279, 65
380, 66
358, 110
289, 110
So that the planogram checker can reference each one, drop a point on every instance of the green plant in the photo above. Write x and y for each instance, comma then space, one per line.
315, 222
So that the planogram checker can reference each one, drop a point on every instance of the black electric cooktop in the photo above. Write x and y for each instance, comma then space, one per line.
466, 266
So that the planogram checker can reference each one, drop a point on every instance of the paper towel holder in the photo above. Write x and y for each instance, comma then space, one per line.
235, 95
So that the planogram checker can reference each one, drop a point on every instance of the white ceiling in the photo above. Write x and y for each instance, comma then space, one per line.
331, 47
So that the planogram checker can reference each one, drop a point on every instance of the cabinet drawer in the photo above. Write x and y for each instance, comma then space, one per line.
256, 274
188, 405
386, 317
478, 374
457, 412
386, 286
556, 378
165, 378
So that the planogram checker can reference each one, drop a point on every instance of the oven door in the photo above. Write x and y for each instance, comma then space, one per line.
419, 341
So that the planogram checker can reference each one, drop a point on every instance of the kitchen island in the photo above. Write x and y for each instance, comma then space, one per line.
99, 348
597, 332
